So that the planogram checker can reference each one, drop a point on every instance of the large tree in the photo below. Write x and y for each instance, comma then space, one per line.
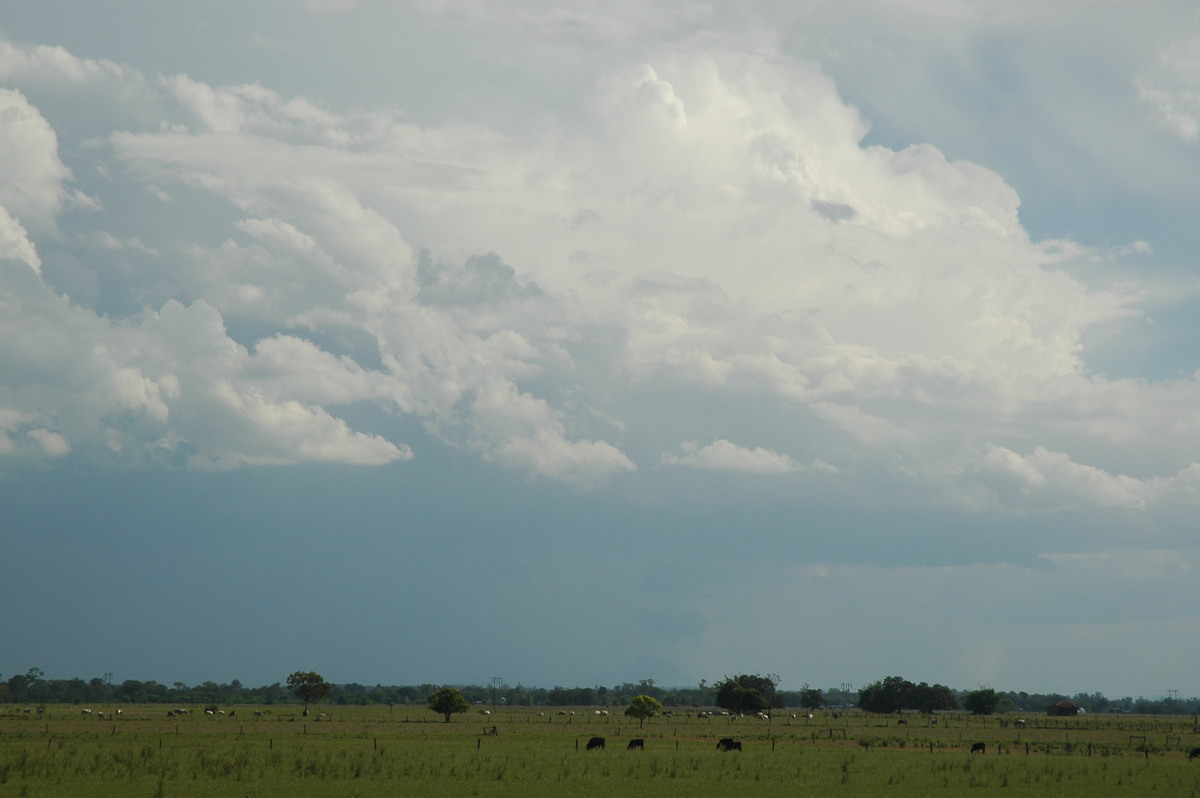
894, 694
983, 701
447, 701
309, 687
812, 698
642, 707
746, 694
930, 698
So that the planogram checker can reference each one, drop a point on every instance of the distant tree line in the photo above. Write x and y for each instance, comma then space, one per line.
744, 693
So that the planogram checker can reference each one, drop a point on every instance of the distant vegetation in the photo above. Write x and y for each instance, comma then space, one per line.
33, 688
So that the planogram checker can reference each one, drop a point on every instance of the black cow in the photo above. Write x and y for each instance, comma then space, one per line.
978, 748
729, 744
595, 742
638, 743
1194, 754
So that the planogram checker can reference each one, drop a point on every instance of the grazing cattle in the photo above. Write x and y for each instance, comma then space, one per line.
208, 712
637, 743
27, 711
729, 744
258, 713
595, 742
100, 715
485, 712
86, 712
170, 714
1194, 754
1020, 724
978, 748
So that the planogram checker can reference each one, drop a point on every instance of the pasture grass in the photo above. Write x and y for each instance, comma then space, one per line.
374, 751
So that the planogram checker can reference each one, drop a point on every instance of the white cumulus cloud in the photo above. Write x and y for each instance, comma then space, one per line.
721, 455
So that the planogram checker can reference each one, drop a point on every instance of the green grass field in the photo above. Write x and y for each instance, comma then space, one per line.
374, 751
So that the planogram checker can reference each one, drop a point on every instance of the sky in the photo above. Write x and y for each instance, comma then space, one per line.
578, 344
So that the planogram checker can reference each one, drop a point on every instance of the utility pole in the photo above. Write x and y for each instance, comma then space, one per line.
496, 682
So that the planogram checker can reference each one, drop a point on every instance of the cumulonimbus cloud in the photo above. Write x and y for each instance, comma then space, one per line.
714, 224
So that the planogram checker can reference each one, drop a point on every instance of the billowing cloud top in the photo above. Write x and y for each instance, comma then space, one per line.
215, 276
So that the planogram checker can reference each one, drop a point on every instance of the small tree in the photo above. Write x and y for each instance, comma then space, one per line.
309, 687
447, 701
642, 707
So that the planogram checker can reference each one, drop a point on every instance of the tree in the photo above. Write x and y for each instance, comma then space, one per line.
884, 697
747, 694
642, 707
894, 694
447, 701
928, 699
983, 701
812, 699
309, 687
18, 687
